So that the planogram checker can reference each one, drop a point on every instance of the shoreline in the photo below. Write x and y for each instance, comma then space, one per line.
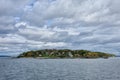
61, 58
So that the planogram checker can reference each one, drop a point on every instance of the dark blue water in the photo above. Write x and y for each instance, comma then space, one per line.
59, 69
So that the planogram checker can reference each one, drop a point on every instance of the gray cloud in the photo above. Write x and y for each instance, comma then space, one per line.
75, 24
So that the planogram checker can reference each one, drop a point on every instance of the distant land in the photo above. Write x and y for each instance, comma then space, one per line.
4, 56
64, 53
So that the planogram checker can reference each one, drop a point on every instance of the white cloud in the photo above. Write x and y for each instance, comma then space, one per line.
75, 24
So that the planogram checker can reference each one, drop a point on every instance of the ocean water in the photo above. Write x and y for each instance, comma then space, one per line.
59, 69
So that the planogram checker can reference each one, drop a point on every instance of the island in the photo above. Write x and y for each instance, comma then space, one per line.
64, 53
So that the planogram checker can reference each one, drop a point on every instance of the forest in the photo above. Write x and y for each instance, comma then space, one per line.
64, 53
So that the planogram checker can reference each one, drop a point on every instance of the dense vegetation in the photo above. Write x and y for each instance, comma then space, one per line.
65, 53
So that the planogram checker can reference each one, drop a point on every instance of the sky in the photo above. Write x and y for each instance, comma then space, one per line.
59, 24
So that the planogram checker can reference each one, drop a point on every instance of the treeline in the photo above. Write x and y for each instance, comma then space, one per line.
65, 53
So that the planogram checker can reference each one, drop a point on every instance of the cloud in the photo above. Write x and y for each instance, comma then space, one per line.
74, 24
